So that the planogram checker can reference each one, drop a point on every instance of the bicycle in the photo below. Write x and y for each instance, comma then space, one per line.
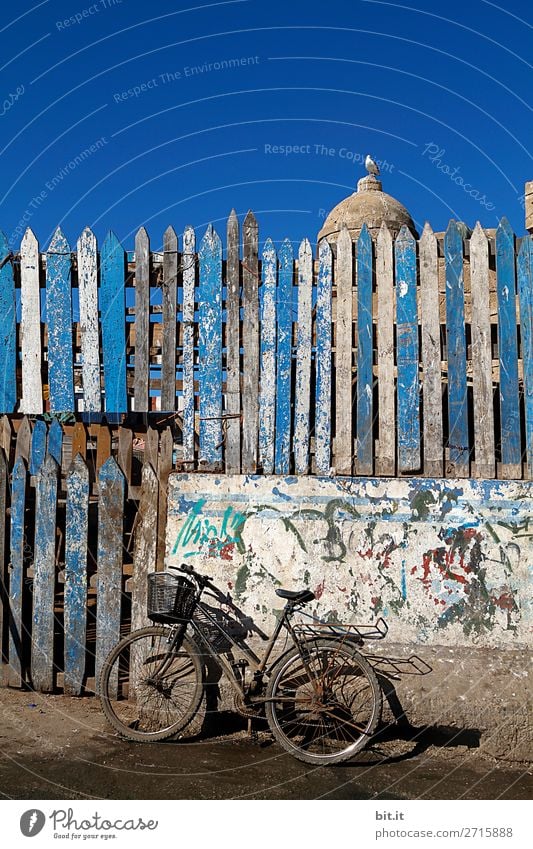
321, 697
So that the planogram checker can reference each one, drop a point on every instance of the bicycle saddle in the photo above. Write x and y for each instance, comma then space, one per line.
300, 596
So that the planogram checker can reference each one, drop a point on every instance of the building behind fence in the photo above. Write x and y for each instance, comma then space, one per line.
382, 356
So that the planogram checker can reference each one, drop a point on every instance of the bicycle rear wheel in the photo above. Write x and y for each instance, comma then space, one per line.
324, 702
149, 691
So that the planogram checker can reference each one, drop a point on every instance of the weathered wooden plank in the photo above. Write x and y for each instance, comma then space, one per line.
210, 350
59, 322
76, 532
323, 360
407, 353
386, 448
16, 574
103, 446
233, 380
109, 570
250, 342
4, 579
125, 451
458, 465
42, 642
38, 446
6, 434
90, 346
343, 445
525, 292
113, 321
163, 470
481, 356
30, 326
23, 443
151, 446
142, 320
8, 328
284, 359
55, 441
365, 353
267, 399
79, 440
189, 282
145, 545
431, 355
508, 352
303, 360
169, 317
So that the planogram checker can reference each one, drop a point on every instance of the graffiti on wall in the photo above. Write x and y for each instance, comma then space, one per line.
201, 535
443, 559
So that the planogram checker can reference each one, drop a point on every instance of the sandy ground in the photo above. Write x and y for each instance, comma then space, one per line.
55, 747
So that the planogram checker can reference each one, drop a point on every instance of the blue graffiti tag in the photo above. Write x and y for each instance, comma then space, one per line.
199, 531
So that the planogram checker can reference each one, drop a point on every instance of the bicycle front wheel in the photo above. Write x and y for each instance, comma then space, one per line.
148, 690
324, 702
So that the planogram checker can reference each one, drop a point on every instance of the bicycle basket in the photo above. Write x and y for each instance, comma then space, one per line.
171, 598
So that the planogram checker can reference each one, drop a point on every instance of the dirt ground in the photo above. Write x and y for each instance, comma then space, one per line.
55, 747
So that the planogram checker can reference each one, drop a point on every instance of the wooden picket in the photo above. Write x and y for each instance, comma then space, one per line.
38, 446
407, 354
88, 294
484, 466
268, 360
75, 613
109, 586
16, 669
233, 347
323, 361
250, 342
210, 350
431, 354
42, 638
142, 320
144, 555
343, 446
508, 352
169, 319
303, 360
59, 323
112, 309
189, 282
284, 359
386, 447
458, 465
8, 329
55, 441
365, 348
30, 326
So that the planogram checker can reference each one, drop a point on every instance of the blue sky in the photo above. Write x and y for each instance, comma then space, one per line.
118, 114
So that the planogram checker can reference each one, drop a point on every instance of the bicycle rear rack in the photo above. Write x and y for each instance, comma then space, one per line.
374, 631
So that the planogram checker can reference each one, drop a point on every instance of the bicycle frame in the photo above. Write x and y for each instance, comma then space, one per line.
258, 665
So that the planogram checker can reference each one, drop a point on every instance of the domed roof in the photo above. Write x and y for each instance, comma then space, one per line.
370, 205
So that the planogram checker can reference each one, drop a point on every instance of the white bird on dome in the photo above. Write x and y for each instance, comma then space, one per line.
371, 166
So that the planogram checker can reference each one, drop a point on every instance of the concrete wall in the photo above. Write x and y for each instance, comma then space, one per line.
445, 562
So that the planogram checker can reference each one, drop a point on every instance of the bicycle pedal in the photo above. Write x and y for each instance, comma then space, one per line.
252, 733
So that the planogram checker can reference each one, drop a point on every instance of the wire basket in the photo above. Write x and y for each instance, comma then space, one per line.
219, 638
171, 598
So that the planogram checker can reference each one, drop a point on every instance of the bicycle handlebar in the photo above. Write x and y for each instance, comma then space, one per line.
189, 570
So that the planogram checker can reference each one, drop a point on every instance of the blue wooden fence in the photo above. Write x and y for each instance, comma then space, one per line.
115, 344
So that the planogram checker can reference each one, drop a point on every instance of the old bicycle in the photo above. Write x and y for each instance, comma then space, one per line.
321, 697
